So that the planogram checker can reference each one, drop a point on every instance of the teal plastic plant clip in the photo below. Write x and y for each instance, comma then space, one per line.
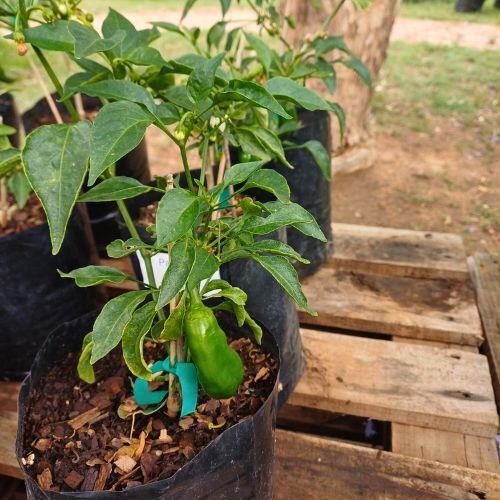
188, 378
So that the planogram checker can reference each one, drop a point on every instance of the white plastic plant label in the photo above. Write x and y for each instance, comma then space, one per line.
160, 263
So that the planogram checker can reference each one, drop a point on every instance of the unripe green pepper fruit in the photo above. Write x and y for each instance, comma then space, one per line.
220, 369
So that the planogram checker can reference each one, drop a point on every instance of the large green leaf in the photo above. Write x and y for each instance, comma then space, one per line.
205, 265
252, 145
88, 41
241, 172
270, 181
120, 90
115, 21
216, 34
133, 340
118, 128
115, 188
177, 212
201, 80
95, 275
112, 320
264, 53
51, 36
340, 114
187, 7
286, 275
182, 259
241, 90
55, 158
325, 45
289, 90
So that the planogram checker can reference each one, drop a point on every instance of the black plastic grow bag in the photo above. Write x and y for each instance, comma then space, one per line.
310, 189
135, 164
10, 116
236, 465
34, 299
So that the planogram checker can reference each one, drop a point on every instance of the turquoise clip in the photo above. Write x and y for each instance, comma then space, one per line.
188, 378
224, 196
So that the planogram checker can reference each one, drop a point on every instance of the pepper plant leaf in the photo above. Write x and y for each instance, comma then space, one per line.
112, 320
118, 128
182, 259
120, 90
307, 225
289, 90
88, 41
95, 275
241, 90
251, 145
271, 181
119, 248
276, 247
319, 153
358, 67
216, 34
264, 53
84, 368
340, 114
172, 327
204, 267
271, 143
115, 188
133, 340
286, 275
19, 186
240, 172
202, 78
9, 159
55, 158
177, 212
51, 36
187, 7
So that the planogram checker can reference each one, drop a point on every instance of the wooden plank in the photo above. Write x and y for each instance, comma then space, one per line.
440, 345
438, 310
485, 271
8, 429
448, 447
443, 389
399, 252
311, 467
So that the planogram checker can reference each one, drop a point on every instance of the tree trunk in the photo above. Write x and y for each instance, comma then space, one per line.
367, 35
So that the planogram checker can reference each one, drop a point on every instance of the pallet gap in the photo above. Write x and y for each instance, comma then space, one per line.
346, 331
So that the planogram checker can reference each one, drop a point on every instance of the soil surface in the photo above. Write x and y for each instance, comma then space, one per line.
30, 216
78, 442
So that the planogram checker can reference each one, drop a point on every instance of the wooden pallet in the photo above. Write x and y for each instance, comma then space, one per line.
383, 356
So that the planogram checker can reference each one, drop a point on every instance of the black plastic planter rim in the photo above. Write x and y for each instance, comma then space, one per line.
25, 393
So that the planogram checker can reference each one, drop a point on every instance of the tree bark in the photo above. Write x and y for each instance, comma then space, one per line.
367, 34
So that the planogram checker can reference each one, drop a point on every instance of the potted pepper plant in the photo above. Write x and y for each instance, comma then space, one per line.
158, 400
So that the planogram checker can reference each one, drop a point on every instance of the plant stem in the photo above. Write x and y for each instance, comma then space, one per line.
185, 163
204, 160
332, 14
57, 84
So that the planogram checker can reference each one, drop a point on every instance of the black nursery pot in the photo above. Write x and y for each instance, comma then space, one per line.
135, 164
267, 302
34, 299
236, 465
10, 116
310, 189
